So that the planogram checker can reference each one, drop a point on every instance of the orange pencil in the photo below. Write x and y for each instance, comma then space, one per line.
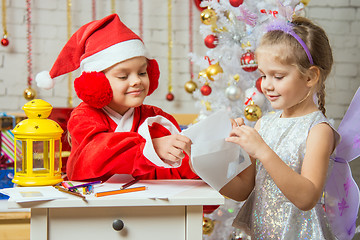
126, 190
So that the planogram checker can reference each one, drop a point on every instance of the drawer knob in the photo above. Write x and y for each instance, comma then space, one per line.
118, 225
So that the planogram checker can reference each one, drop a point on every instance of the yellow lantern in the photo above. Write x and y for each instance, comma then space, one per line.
39, 163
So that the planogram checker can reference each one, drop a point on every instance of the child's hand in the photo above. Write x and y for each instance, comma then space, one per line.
170, 148
237, 122
249, 139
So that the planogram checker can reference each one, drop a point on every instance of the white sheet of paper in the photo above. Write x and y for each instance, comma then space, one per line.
214, 127
216, 161
159, 189
30, 194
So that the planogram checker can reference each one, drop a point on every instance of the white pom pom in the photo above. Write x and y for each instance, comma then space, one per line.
43, 80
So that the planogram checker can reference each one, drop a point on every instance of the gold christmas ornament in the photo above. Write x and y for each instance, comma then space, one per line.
203, 74
208, 226
208, 17
29, 93
190, 86
252, 112
213, 70
236, 77
305, 2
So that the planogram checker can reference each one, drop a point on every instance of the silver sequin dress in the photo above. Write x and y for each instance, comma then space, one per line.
267, 213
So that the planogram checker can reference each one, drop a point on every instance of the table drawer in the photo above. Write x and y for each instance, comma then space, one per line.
160, 223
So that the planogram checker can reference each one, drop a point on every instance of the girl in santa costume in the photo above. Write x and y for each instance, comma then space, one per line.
112, 131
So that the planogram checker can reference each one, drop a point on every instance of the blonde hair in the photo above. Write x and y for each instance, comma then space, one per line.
318, 44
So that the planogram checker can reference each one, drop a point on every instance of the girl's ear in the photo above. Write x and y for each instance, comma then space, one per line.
313, 76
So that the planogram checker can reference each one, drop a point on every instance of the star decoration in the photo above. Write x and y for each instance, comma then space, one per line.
342, 205
36, 127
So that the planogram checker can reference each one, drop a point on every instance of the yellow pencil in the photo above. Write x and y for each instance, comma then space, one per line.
126, 190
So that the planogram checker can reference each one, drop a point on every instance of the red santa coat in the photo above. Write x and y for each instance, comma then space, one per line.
98, 152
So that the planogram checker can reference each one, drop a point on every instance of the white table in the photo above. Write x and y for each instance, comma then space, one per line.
179, 217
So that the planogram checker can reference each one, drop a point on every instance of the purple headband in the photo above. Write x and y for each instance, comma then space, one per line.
287, 28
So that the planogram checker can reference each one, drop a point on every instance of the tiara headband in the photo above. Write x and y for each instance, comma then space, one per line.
287, 28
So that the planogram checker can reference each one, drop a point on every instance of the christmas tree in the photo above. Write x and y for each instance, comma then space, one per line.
228, 77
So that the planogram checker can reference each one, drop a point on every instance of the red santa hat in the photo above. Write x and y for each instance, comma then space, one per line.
95, 47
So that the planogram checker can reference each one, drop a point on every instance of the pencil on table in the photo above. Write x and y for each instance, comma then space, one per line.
126, 185
70, 192
126, 190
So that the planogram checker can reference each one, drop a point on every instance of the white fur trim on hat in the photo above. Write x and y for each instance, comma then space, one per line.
43, 80
114, 54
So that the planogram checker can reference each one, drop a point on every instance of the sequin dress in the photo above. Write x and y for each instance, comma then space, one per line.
267, 213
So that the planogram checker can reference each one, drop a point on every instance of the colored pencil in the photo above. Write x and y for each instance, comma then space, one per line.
127, 190
84, 185
126, 185
61, 189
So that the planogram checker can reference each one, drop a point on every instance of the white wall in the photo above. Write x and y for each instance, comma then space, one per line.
341, 19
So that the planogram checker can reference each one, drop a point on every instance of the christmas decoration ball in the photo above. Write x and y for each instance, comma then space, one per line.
252, 112
197, 4
170, 96
236, 3
258, 84
29, 93
205, 90
213, 70
233, 92
190, 86
248, 62
208, 17
305, 2
4, 42
252, 94
211, 41
208, 225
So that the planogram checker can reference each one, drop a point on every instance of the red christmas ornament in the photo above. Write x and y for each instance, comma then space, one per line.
211, 41
258, 84
4, 42
197, 4
170, 96
236, 3
205, 90
210, 208
248, 62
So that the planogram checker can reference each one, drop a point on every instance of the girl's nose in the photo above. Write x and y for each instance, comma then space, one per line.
135, 80
267, 84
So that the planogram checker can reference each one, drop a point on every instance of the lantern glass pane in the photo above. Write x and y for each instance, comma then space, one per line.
20, 156
41, 150
57, 156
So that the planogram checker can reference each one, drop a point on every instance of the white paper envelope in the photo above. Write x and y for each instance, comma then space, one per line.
214, 127
217, 162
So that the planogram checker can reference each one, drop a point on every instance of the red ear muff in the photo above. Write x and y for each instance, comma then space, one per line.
154, 74
94, 89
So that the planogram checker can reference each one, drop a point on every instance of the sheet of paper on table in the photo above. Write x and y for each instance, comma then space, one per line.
156, 189
216, 161
31, 194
